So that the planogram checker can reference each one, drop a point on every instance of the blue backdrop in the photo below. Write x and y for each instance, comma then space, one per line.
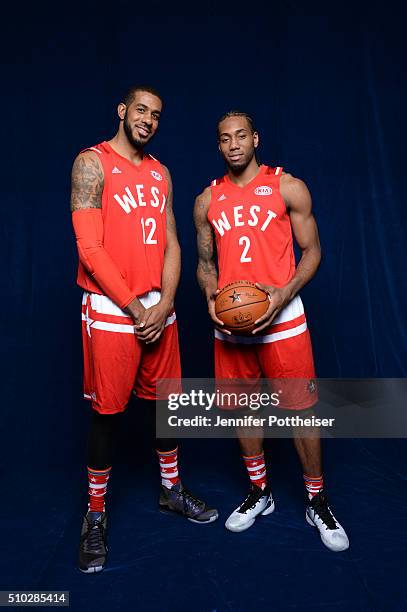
325, 87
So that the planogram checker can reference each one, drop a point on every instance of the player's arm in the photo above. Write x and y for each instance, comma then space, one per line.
86, 207
155, 317
207, 273
299, 205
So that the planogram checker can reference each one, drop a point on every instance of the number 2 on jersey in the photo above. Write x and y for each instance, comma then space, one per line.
144, 225
244, 240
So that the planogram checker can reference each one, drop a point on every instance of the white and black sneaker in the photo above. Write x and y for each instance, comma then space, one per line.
258, 501
319, 514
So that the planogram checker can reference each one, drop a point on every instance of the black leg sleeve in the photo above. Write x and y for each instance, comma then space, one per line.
147, 407
164, 445
102, 439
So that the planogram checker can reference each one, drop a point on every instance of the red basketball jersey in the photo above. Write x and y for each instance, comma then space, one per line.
134, 220
252, 230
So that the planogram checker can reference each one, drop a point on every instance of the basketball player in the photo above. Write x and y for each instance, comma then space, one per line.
129, 268
250, 215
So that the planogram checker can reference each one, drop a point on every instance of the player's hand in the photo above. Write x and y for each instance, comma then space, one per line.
152, 323
136, 310
219, 325
278, 297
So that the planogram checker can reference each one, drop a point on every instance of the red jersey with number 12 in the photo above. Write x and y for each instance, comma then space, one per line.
252, 230
134, 220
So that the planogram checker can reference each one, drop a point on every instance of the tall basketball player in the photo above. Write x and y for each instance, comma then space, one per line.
129, 268
251, 214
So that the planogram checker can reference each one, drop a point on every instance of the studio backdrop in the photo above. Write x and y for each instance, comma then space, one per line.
327, 95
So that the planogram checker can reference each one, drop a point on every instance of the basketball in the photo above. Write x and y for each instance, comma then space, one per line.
239, 305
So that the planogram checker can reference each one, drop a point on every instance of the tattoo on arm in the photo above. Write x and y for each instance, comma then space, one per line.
87, 183
206, 251
207, 273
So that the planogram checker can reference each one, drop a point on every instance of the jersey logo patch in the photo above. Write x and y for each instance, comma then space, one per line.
263, 190
222, 197
116, 170
156, 175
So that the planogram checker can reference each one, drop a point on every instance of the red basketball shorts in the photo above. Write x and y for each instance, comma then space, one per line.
282, 354
116, 362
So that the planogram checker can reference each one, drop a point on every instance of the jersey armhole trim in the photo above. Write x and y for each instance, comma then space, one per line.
92, 149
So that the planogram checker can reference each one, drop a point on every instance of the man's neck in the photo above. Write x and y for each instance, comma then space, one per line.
243, 178
120, 143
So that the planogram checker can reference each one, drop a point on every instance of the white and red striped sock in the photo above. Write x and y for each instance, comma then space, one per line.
97, 489
313, 484
256, 469
168, 467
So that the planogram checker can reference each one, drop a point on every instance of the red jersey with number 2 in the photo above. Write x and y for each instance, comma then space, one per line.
134, 220
252, 230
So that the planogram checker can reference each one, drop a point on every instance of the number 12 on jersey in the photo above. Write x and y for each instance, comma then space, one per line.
145, 224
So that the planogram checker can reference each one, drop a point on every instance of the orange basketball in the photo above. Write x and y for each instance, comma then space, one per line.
239, 305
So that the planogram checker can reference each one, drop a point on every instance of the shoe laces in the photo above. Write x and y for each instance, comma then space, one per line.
251, 500
320, 506
95, 535
190, 501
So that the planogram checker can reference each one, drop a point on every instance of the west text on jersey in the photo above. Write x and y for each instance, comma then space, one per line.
238, 217
129, 201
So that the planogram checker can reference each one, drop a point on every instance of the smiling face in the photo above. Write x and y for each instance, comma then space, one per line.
237, 142
140, 118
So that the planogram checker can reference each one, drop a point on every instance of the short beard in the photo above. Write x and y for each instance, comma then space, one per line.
239, 168
137, 144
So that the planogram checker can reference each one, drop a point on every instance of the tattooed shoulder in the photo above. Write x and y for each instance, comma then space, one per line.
87, 182
201, 206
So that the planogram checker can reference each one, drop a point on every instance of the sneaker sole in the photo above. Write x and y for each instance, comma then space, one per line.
92, 570
170, 512
211, 520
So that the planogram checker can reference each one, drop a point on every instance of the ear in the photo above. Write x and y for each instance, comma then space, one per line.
256, 139
121, 110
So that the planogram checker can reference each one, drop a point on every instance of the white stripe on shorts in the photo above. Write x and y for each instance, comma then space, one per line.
104, 305
287, 333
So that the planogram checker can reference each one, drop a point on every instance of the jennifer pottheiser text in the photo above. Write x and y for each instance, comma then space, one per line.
249, 421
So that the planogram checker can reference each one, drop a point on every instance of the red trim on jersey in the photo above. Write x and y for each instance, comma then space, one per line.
91, 149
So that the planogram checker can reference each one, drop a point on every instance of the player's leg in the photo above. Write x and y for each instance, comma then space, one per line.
290, 360
239, 362
111, 357
161, 360
101, 444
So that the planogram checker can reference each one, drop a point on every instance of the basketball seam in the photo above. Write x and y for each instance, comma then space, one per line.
242, 306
